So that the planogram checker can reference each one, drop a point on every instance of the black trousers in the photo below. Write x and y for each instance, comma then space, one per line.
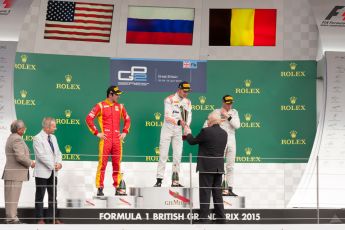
42, 185
210, 182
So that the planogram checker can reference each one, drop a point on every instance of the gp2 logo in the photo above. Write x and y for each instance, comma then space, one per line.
137, 73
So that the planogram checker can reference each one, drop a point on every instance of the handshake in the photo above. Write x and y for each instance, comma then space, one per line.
187, 130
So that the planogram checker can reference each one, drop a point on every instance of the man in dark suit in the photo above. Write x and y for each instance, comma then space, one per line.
210, 164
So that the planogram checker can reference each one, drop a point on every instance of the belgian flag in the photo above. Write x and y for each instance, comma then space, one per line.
242, 27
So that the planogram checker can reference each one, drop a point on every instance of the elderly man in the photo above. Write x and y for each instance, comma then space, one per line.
210, 164
230, 123
48, 163
16, 169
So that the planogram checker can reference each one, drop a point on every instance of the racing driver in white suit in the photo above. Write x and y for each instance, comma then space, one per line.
230, 122
174, 107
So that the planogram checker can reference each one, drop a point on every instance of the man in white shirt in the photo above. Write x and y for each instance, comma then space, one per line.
48, 163
177, 115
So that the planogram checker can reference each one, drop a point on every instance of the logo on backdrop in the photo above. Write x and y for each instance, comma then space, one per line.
248, 156
202, 106
293, 72
154, 75
5, 7
293, 140
190, 64
294, 106
24, 65
336, 17
136, 76
248, 89
68, 156
24, 99
68, 85
154, 157
249, 123
28, 138
67, 120
156, 122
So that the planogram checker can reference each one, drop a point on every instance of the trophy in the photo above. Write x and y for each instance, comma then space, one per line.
121, 189
184, 117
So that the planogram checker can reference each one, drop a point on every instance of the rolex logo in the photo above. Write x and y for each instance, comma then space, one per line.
68, 148
247, 116
293, 106
157, 115
293, 100
292, 72
248, 151
68, 113
247, 83
249, 157
24, 58
23, 93
68, 78
202, 99
293, 134
157, 151
293, 66
293, 140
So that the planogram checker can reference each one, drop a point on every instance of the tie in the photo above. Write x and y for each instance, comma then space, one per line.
50, 143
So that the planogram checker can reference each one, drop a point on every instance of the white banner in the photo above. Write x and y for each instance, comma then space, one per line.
329, 146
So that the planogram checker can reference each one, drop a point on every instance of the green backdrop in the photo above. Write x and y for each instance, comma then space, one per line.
276, 101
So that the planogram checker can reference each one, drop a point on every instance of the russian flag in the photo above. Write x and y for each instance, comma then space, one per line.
160, 25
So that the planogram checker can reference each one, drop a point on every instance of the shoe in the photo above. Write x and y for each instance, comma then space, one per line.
100, 192
220, 221
158, 183
202, 221
13, 222
231, 193
58, 222
176, 184
118, 192
41, 221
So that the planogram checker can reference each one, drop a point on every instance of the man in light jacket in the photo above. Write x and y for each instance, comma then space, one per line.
48, 163
16, 169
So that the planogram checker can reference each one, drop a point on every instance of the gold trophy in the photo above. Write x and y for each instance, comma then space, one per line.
184, 117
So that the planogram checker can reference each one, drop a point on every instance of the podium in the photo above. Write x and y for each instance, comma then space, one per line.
153, 198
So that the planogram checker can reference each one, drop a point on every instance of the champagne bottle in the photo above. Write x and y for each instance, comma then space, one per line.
121, 189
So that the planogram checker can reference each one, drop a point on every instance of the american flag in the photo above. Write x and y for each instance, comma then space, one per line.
78, 21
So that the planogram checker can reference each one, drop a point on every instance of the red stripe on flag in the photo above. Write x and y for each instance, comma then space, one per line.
78, 27
159, 38
92, 21
77, 39
92, 9
265, 27
93, 15
75, 33
93, 4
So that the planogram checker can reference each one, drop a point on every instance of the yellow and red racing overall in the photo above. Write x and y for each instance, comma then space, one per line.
109, 115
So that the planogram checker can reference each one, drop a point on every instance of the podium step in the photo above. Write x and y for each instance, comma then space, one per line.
153, 198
